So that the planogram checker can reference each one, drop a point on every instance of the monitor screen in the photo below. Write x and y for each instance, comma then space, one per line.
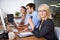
10, 18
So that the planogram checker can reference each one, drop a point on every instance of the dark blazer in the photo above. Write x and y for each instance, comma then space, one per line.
46, 31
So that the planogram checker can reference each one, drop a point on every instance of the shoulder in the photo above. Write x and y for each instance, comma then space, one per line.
27, 15
35, 12
49, 22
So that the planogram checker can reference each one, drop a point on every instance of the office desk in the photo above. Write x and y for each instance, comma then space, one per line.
26, 38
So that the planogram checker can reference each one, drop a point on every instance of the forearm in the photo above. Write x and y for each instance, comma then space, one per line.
31, 24
25, 29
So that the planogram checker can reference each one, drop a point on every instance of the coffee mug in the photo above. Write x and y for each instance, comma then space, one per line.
11, 35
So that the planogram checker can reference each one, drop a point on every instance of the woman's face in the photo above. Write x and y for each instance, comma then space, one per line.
42, 12
22, 10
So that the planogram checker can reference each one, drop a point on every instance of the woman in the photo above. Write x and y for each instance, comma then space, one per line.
24, 17
46, 27
23, 11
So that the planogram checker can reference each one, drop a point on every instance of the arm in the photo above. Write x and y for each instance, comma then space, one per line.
48, 26
31, 24
45, 30
35, 20
26, 29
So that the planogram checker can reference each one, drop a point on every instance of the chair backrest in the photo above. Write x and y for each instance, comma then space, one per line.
57, 31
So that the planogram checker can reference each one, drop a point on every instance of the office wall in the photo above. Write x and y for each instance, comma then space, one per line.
11, 6
49, 2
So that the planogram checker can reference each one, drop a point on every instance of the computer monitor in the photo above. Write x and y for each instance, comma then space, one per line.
10, 18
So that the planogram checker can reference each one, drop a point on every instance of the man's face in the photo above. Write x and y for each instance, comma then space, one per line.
29, 9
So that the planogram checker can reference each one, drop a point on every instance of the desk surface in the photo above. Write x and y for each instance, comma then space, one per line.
26, 38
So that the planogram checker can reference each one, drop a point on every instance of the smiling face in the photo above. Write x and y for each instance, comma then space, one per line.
28, 9
22, 10
42, 12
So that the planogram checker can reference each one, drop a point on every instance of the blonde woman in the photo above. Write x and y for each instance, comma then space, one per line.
46, 27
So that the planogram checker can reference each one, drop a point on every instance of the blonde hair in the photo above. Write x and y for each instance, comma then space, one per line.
47, 8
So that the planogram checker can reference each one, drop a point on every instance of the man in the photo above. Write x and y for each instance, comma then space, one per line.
33, 20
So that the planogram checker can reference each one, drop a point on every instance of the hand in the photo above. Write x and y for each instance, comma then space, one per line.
18, 27
18, 23
23, 30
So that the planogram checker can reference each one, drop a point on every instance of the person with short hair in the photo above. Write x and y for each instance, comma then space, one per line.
33, 20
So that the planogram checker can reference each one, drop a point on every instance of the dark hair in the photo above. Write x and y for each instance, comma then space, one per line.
23, 7
31, 5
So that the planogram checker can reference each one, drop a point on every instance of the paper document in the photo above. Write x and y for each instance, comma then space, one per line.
25, 34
